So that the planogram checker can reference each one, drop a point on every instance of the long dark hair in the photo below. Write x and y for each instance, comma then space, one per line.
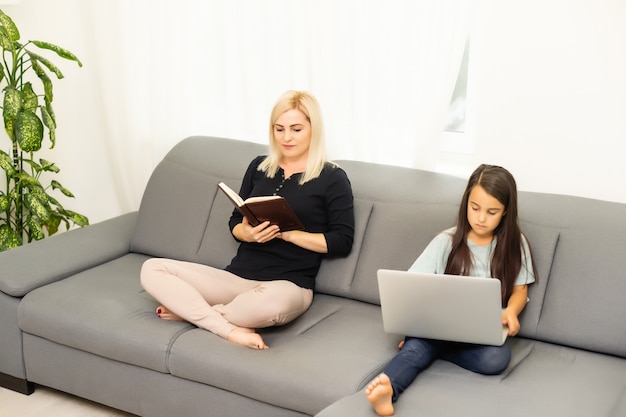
506, 260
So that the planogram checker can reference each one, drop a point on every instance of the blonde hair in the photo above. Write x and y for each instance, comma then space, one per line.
307, 104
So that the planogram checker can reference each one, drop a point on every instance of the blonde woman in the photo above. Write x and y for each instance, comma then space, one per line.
270, 281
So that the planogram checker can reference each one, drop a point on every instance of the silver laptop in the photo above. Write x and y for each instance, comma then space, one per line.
442, 307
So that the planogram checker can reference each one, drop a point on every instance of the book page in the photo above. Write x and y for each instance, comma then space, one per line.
263, 198
231, 194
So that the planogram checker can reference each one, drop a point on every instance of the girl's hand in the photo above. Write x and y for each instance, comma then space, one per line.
262, 233
514, 307
509, 318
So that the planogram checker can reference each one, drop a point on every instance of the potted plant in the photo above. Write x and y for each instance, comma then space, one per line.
28, 210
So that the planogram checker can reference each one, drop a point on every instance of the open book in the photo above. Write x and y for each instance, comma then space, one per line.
259, 209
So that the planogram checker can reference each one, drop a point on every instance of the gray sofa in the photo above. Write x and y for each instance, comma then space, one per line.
74, 317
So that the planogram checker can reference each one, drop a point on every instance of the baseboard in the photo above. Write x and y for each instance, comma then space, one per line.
16, 384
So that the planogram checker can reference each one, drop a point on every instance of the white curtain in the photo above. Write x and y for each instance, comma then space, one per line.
157, 71
383, 72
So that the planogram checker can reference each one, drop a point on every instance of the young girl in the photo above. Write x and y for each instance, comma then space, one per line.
486, 242
271, 279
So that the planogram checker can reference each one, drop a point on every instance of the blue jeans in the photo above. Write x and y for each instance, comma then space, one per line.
417, 354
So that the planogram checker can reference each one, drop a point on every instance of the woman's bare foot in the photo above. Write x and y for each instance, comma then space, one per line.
379, 393
165, 314
247, 337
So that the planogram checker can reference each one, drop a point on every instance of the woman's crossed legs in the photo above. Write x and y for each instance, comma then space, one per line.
221, 302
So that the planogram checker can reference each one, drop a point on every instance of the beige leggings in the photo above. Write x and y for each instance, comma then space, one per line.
219, 301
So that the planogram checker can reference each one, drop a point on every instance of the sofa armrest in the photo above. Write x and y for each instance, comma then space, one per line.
41, 262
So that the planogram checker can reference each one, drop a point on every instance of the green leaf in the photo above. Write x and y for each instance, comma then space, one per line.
57, 186
50, 110
53, 137
36, 58
5, 40
8, 238
45, 80
77, 218
28, 181
62, 52
37, 203
6, 163
53, 202
29, 98
35, 229
55, 221
11, 107
8, 128
13, 194
11, 30
47, 118
48, 166
5, 202
28, 131
12, 103
49, 122
34, 165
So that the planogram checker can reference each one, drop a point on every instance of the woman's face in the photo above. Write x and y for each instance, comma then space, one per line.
484, 213
292, 133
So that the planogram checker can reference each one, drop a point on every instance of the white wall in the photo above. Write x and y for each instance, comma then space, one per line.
548, 82
551, 93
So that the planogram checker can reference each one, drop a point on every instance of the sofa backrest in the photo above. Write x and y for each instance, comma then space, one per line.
578, 243
579, 300
397, 212
183, 215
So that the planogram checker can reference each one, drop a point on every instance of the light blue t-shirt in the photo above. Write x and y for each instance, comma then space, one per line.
435, 257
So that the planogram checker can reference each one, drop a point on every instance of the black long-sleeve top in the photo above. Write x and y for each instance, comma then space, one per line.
324, 205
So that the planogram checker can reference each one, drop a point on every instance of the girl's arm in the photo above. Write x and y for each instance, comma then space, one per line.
514, 307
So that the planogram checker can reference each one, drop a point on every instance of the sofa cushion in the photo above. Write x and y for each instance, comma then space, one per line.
336, 274
396, 235
543, 241
547, 380
331, 351
389, 235
104, 311
584, 301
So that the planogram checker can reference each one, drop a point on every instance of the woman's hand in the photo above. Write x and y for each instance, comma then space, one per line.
265, 232
262, 233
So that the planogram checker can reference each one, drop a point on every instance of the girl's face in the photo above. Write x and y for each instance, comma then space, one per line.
484, 213
292, 133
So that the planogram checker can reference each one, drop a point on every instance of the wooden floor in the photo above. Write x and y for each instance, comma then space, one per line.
50, 403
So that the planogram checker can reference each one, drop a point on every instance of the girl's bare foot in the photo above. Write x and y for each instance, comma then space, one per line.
247, 337
165, 314
379, 393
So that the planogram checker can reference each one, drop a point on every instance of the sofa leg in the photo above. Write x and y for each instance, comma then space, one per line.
22, 386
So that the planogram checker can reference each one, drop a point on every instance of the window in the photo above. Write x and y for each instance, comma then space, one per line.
457, 144
456, 111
